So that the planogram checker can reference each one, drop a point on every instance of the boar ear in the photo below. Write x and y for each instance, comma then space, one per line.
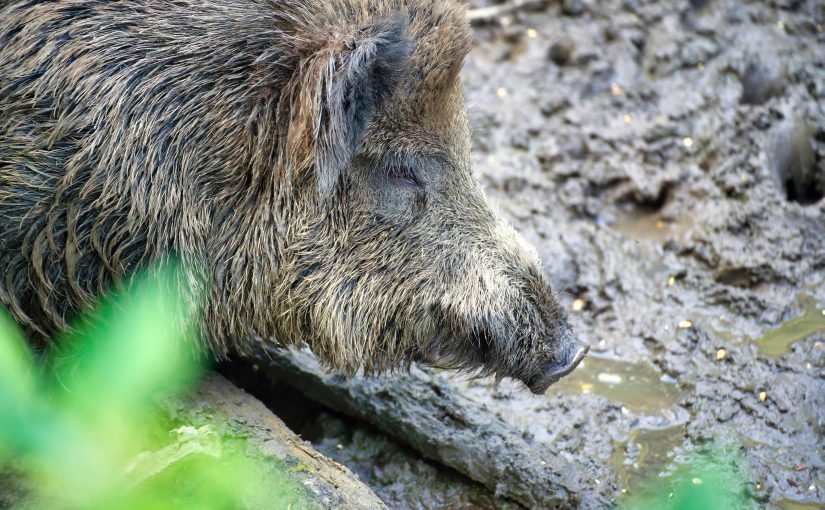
362, 73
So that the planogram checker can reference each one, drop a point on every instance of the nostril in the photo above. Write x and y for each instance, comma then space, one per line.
557, 369
571, 363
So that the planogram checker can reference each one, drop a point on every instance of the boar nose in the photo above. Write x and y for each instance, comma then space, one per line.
565, 363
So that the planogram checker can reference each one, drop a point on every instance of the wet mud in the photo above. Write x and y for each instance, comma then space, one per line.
667, 159
670, 170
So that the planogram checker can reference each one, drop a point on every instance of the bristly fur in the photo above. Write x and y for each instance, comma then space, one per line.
238, 135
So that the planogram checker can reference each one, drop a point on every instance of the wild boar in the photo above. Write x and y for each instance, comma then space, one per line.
309, 161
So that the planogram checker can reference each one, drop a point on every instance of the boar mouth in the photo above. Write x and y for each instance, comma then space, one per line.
556, 369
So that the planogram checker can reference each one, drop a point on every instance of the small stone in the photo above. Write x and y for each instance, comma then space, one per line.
553, 105
763, 395
597, 481
616, 89
562, 50
720, 354
578, 304
818, 345
698, 50
339, 446
685, 324
573, 7
576, 147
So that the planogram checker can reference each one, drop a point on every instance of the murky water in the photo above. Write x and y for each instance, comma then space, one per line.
652, 227
639, 386
646, 454
779, 341
788, 504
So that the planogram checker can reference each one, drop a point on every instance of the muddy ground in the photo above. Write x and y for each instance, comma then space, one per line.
667, 159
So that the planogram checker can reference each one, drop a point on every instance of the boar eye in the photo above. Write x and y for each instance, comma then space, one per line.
402, 175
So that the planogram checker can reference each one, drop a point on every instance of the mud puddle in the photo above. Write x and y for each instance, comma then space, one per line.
787, 504
646, 455
639, 386
653, 227
779, 341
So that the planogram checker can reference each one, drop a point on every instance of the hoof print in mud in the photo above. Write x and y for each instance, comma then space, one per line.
798, 170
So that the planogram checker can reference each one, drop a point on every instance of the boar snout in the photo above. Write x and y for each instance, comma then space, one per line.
562, 364
498, 313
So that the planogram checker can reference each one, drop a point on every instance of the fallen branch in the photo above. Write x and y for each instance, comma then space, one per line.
426, 413
218, 402
209, 419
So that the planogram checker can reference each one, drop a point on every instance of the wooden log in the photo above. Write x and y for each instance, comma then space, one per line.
422, 410
218, 402
212, 420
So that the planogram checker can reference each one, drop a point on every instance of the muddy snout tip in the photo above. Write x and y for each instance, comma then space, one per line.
556, 370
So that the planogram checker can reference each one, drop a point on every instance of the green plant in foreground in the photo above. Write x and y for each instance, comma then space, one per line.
76, 423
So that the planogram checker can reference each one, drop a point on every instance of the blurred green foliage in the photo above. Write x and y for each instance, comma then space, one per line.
709, 478
81, 426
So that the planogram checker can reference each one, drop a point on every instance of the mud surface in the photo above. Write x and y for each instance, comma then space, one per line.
667, 159
670, 172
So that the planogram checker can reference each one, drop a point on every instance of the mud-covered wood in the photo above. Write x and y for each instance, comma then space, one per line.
329, 485
439, 422
208, 420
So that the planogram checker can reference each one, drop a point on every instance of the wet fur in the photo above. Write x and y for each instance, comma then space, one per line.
239, 136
